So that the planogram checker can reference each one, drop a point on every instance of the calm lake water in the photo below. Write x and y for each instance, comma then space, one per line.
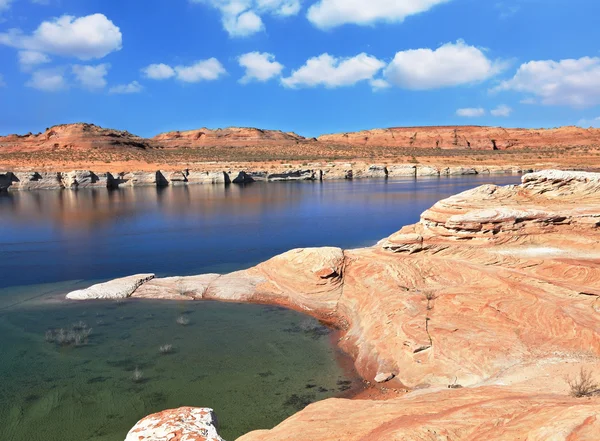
255, 365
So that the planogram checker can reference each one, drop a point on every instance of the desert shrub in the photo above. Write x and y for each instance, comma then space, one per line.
583, 385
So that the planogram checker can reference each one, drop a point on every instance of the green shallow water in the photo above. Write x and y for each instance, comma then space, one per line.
255, 365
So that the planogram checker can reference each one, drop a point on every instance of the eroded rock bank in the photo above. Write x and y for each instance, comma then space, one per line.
81, 179
482, 309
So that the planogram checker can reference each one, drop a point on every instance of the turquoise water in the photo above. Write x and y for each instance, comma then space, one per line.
255, 365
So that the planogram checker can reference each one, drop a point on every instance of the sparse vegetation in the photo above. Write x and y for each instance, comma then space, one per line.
78, 335
583, 385
183, 320
137, 376
166, 349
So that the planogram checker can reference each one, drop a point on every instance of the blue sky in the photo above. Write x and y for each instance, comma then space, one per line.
309, 66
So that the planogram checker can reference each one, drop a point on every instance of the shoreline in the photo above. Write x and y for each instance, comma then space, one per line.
87, 179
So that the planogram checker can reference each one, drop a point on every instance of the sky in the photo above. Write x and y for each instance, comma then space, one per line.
308, 66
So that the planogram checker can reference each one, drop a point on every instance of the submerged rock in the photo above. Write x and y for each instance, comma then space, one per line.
114, 289
183, 424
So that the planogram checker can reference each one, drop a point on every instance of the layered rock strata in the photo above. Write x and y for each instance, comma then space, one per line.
80, 179
481, 311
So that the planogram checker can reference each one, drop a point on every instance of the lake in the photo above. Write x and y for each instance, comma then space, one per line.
255, 365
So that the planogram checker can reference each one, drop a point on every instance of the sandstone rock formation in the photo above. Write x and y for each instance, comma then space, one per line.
481, 309
83, 142
79, 136
230, 137
467, 137
183, 424
114, 289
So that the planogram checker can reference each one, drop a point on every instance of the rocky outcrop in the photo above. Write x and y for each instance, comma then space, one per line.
373, 171
6, 180
74, 137
482, 309
36, 181
114, 289
295, 175
139, 179
491, 413
467, 137
404, 170
86, 179
229, 137
183, 424
198, 177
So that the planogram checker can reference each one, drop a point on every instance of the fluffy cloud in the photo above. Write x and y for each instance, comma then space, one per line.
86, 38
574, 83
332, 72
158, 71
242, 18
91, 77
259, 67
502, 110
380, 84
331, 13
30, 59
452, 64
133, 87
471, 112
48, 80
585, 123
203, 70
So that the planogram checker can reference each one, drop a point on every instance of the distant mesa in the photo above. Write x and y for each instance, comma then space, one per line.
84, 137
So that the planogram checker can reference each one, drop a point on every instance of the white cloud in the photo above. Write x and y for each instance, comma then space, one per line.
158, 71
242, 18
30, 59
244, 24
92, 36
48, 80
574, 83
452, 64
259, 67
332, 72
91, 77
205, 70
502, 110
380, 84
327, 14
471, 112
585, 123
133, 87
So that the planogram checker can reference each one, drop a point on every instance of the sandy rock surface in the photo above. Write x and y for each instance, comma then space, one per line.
114, 289
183, 424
